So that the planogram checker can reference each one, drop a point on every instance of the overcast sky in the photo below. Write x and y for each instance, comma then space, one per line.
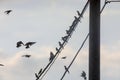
45, 22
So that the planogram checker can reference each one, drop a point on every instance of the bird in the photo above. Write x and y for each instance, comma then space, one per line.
19, 44
37, 77
76, 19
1, 65
27, 56
60, 44
64, 38
40, 71
63, 57
57, 49
79, 14
51, 56
8, 12
67, 32
28, 44
66, 69
83, 74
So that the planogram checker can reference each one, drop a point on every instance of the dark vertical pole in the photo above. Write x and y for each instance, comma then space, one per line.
94, 40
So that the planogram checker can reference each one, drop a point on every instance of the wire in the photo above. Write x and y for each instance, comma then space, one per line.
75, 56
105, 3
46, 69
114, 1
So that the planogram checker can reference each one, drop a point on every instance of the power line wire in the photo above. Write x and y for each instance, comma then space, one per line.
105, 3
64, 43
75, 56
84, 42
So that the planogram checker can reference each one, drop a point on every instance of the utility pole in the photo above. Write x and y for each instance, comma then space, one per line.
94, 40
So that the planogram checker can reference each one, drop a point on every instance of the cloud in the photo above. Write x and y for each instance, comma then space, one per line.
17, 66
110, 60
113, 12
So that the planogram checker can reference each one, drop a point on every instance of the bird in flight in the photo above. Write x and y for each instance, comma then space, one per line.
19, 44
27, 56
63, 57
1, 65
28, 44
8, 12
66, 69
83, 74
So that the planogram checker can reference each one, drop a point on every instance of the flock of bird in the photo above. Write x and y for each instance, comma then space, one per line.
29, 44
61, 46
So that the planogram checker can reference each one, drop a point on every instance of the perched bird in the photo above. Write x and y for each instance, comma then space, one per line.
79, 14
76, 19
64, 38
8, 12
57, 49
66, 69
28, 44
60, 44
37, 77
63, 57
83, 74
40, 71
51, 56
19, 44
1, 65
27, 56
67, 31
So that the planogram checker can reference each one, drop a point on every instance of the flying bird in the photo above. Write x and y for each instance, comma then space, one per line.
28, 44
1, 65
83, 74
51, 56
27, 56
66, 69
63, 57
19, 44
8, 12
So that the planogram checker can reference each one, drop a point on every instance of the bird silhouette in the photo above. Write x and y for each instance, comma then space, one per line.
57, 49
66, 69
19, 44
51, 56
79, 14
40, 71
83, 74
63, 57
8, 12
1, 65
64, 38
76, 19
68, 32
37, 77
27, 56
28, 44
60, 44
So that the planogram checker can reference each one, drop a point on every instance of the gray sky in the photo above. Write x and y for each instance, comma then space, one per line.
45, 22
